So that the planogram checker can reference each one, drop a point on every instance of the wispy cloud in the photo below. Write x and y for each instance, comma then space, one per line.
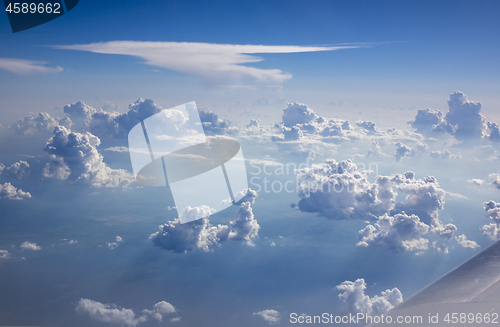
21, 66
212, 63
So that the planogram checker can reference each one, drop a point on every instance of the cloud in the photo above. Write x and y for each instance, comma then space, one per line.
113, 314
160, 310
211, 63
492, 231
30, 246
200, 234
400, 233
464, 242
19, 170
114, 245
213, 125
444, 155
8, 191
493, 210
427, 120
495, 180
4, 254
368, 126
297, 113
245, 227
75, 158
403, 151
41, 123
465, 116
476, 181
358, 302
22, 67
269, 315
254, 123
494, 130
463, 119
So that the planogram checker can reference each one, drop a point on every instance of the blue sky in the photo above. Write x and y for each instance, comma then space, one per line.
327, 83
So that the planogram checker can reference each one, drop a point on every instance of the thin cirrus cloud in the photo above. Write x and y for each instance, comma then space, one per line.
211, 63
23, 67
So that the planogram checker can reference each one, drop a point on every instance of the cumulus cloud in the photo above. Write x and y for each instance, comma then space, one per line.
4, 254
113, 314
495, 180
368, 126
427, 120
160, 310
212, 63
213, 125
402, 151
492, 231
75, 158
493, 210
41, 123
399, 233
339, 191
494, 130
464, 242
358, 302
30, 246
465, 116
200, 234
245, 227
269, 315
297, 113
114, 245
19, 169
463, 119
22, 67
8, 191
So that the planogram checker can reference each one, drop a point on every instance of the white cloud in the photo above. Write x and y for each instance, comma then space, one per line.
493, 210
8, 191
21, 66
464, 242
495, 180
113, 314
399, 233
357, 301
160, 310
492, 231
41, 123
212, 63
476, 181
200, 234
297, 113
4, 254
269, 315
245, 227
30, 246
75, 158
19, 169
114, 245
465, 116
402, 151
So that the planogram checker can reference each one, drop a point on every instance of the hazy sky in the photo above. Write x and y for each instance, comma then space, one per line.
394, 102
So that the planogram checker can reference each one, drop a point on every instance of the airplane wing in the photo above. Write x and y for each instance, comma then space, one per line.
468, 295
